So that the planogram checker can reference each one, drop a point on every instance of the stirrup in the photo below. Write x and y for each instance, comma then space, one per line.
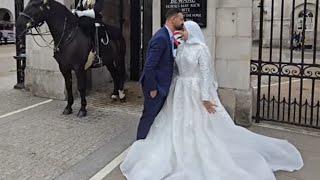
96, 63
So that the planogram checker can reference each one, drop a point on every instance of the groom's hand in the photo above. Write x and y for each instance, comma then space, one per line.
210, 106
153, 94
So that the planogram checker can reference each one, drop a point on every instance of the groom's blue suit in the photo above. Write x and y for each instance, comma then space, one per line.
157, 75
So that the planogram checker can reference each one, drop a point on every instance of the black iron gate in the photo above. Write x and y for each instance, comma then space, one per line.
287, 68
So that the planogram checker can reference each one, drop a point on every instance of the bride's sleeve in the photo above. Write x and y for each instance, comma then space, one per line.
208, 82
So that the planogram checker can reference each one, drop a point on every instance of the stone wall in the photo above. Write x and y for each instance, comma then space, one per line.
233, 54
229, 37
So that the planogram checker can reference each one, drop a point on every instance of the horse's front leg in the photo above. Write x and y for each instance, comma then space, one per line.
81, 77
68, 83
120, 64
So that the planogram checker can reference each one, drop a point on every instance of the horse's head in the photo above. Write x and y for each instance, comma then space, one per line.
34, 14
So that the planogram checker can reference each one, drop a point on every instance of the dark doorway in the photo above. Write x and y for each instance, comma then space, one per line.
141, 33
6, 17
135, 44
147, 27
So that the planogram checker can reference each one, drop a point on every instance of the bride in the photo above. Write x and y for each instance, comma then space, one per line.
191, 141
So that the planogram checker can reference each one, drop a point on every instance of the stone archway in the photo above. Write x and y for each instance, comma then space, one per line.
6, 15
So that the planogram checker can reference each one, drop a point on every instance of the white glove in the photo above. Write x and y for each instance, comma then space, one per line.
88, 13
78, 13
73, 11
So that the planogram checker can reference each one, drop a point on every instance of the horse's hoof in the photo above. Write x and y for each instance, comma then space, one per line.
123, 100
82, 114
114, 97
67, 111
121, 94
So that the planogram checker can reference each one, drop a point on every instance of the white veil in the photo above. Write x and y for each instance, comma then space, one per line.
195, 36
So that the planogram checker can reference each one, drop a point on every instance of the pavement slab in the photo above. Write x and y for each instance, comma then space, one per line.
43, 144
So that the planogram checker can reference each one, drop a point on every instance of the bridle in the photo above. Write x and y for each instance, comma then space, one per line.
28, 17
33, 24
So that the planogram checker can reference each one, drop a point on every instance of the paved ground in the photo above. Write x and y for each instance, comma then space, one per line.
7, 63
40, 143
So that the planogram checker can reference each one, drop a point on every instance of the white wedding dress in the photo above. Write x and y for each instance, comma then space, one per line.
187, 143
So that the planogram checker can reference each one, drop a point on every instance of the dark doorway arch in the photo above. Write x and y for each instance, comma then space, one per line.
141, 33
6, 15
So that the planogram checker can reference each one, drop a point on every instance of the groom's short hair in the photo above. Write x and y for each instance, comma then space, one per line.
172, 12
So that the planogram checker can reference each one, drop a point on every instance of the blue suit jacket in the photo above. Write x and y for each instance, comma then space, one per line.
158, 68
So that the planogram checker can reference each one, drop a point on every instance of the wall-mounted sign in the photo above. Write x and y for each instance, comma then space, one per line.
195, 10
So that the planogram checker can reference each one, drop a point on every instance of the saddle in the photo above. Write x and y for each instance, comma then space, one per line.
96, 30
99, 36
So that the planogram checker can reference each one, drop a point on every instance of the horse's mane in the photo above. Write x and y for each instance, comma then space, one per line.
63, 10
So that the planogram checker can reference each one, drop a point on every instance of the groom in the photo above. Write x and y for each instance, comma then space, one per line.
157, 74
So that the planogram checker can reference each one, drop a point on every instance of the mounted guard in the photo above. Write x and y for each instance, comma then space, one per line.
92, 9
72, 45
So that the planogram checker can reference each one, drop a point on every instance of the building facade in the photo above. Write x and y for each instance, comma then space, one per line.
228, 33
292, 16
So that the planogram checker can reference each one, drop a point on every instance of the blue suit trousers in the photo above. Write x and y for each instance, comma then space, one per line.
152, 107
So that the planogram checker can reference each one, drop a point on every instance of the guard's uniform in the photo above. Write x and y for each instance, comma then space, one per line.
92, 9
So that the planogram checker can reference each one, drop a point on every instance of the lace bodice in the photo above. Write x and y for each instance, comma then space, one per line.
194, 61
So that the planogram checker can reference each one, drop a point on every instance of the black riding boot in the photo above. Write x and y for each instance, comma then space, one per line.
97, 62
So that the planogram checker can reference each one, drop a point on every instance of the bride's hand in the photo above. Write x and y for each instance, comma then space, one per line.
210, 106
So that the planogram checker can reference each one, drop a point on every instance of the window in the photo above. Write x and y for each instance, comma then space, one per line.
309, 21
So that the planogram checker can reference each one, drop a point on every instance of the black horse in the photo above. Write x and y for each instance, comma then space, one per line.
73, 45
